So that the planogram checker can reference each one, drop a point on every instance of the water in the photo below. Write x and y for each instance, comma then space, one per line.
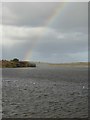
45, 92
0, 93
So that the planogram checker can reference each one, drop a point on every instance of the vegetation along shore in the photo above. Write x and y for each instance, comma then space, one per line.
15, 63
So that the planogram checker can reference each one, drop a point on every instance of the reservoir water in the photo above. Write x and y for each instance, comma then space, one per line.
45, 92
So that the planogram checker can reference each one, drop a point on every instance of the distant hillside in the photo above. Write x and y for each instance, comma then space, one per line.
15, 63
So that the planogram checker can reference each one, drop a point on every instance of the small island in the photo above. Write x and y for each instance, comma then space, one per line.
16, 63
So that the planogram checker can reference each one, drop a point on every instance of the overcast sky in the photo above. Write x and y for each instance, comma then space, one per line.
49, 32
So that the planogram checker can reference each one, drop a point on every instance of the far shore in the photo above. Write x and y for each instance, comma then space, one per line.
74, 64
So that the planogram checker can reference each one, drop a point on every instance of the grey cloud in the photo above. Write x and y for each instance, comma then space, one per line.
50, 46
62, 46
65, 39
28, 14
73, 16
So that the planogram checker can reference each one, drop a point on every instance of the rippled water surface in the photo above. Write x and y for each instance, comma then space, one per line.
45, 92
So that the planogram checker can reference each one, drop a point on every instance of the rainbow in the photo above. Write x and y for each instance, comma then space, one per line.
50, 21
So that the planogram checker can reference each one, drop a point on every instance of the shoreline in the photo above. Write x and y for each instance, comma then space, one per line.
23, 64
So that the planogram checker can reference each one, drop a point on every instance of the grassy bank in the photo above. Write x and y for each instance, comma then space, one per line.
15, 64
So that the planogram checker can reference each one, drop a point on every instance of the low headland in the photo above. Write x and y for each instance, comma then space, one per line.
16, 63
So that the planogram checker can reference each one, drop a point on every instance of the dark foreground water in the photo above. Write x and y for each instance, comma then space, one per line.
45, 92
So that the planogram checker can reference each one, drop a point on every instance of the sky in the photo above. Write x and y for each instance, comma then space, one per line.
55, 32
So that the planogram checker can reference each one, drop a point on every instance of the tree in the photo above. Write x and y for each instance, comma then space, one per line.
15, 60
